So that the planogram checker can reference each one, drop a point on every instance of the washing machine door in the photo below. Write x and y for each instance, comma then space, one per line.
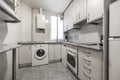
40, 54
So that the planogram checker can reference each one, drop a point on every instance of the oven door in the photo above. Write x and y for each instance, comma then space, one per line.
72, 61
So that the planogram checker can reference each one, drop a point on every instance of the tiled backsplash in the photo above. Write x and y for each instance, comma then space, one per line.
73, 35
88, 33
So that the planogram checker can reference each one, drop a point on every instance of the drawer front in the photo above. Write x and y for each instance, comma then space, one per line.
91, 64
87, 61
87, 69
87, 53
97, 69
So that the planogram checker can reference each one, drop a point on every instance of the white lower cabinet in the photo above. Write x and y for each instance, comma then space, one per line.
96, 65
51, 52
9, 56
64, 54
58, 51
25, 57
54, 53
90, 64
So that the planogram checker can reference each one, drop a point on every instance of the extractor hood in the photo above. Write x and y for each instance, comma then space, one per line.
7, 14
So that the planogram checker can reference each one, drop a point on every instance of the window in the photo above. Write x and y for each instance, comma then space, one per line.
53, 28
56, 28
60, 29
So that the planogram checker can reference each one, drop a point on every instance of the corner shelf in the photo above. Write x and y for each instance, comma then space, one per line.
70, 30
7, 14
96, 21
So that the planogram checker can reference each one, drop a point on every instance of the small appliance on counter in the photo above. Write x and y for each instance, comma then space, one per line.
73, 36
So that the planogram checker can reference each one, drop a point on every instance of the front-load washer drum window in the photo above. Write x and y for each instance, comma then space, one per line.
40, 54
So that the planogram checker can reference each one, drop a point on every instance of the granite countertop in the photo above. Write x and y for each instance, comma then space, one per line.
95, 46
92, 46
38, 42
6, 47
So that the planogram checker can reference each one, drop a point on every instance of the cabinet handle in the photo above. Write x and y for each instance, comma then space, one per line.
88, 16
29, 46
79, 15
88, 60
88, 68
88, 53
64, 45
87, 75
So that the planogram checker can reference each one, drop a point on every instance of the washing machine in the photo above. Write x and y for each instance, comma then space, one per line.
39, 54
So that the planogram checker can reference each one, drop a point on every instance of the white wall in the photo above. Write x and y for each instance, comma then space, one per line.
26, 22
12, 31
91, 33
38, 35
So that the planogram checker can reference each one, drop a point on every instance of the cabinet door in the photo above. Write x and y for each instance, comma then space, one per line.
82, 9
25, 55
65, 21
64, 55
68, 19
51, 52
58, 51
54, 52
9, 65
94, 9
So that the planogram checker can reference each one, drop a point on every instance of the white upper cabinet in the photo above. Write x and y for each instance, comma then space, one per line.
80, 11
7, 14
94, 10
75, 13
68, 19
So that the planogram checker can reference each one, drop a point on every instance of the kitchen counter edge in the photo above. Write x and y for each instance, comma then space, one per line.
66, 43
83, 46
5, 48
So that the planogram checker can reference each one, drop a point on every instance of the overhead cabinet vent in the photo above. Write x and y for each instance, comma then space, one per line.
40, 20
6, 13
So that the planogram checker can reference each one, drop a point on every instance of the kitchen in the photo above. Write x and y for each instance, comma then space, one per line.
59, 39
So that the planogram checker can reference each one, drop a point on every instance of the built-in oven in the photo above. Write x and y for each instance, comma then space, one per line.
72, 60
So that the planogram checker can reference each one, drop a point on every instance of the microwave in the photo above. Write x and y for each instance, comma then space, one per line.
10, 3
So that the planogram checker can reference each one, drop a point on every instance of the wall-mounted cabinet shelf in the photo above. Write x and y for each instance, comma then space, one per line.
80, 23
76, 14
7, 14
96, 21
71, 29
94, 10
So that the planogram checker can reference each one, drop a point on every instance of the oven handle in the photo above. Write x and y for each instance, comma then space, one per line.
68, 52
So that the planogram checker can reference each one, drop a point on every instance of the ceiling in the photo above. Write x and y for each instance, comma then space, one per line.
57, 6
